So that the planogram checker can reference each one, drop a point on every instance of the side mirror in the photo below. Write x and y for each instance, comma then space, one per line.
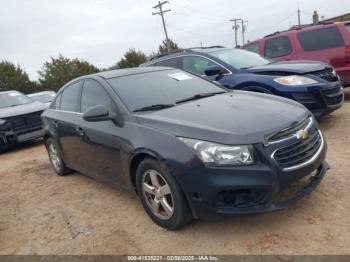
213, 71
98, 113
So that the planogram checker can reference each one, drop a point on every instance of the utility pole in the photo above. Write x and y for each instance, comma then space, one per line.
235, 27
161, 13
243, 31
299, 23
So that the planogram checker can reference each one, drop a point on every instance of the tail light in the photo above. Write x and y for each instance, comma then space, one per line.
347, 56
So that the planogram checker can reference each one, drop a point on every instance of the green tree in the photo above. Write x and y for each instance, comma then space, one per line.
57, 72
131, 58
13, 77
163, 47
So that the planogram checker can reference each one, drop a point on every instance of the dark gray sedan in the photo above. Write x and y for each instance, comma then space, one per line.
188, 147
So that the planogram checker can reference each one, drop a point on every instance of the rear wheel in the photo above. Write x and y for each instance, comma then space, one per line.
161, 196
56, 158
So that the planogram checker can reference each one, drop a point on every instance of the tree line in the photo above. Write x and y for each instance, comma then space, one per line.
58, 71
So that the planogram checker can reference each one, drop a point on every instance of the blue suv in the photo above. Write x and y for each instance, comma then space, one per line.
313, 84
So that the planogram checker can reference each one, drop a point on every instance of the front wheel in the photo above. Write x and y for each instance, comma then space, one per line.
161, 196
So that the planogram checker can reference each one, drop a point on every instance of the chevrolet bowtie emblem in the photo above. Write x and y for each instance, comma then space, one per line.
302, 134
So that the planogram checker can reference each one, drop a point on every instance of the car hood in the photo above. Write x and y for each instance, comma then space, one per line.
295, 67
21, 109
232, 118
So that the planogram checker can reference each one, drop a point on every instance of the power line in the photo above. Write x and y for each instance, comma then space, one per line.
275, 24
161, 13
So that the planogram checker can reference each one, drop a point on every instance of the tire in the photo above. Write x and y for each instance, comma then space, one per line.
55, 158
173, 211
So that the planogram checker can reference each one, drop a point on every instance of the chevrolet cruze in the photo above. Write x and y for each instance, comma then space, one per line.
188, 147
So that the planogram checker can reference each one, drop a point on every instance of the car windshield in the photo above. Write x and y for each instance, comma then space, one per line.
44, 98
240, 58
161, 89
13, 99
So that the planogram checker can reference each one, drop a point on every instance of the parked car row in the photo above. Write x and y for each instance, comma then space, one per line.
20, 116
313, 84
198, 133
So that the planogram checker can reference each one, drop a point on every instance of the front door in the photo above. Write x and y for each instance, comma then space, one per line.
100, 143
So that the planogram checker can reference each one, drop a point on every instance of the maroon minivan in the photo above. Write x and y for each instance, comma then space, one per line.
329, 43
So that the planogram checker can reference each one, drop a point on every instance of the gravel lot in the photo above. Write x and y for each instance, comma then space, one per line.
36, 205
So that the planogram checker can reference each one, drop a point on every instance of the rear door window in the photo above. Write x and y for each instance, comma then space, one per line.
70, 97
172, 62
277, 47
94, 94
252, 48
348, 27
321, 39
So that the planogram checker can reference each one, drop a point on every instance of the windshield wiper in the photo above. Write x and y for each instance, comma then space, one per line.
153, 107
199, 96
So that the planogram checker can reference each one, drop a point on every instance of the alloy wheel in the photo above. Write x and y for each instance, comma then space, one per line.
157, 194
54, 157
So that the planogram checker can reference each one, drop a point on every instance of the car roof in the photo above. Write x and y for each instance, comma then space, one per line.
201, 50
130, 71
210, 50
9, 91
305, 28
42, 93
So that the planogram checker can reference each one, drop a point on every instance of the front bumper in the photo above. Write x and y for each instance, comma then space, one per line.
314, 181
10, 138
344, 74
263, 187
258, 188
321, 101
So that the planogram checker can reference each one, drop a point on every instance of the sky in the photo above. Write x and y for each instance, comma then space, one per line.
101, 31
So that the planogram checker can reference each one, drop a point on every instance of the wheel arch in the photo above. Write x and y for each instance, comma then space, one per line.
257, 88
135, 161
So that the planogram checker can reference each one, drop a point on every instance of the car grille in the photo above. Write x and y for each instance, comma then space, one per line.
299, 152
333, 96
25, 123
288, 132
327, 75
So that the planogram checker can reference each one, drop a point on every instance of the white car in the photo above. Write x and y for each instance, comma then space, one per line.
45, 97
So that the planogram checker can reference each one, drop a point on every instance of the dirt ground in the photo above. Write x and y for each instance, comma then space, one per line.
39, 212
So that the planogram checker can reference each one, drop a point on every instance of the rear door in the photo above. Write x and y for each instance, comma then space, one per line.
325, 45
279, 48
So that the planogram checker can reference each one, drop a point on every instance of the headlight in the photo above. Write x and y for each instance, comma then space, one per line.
2, 122
295, 80
217, 154
335, 74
